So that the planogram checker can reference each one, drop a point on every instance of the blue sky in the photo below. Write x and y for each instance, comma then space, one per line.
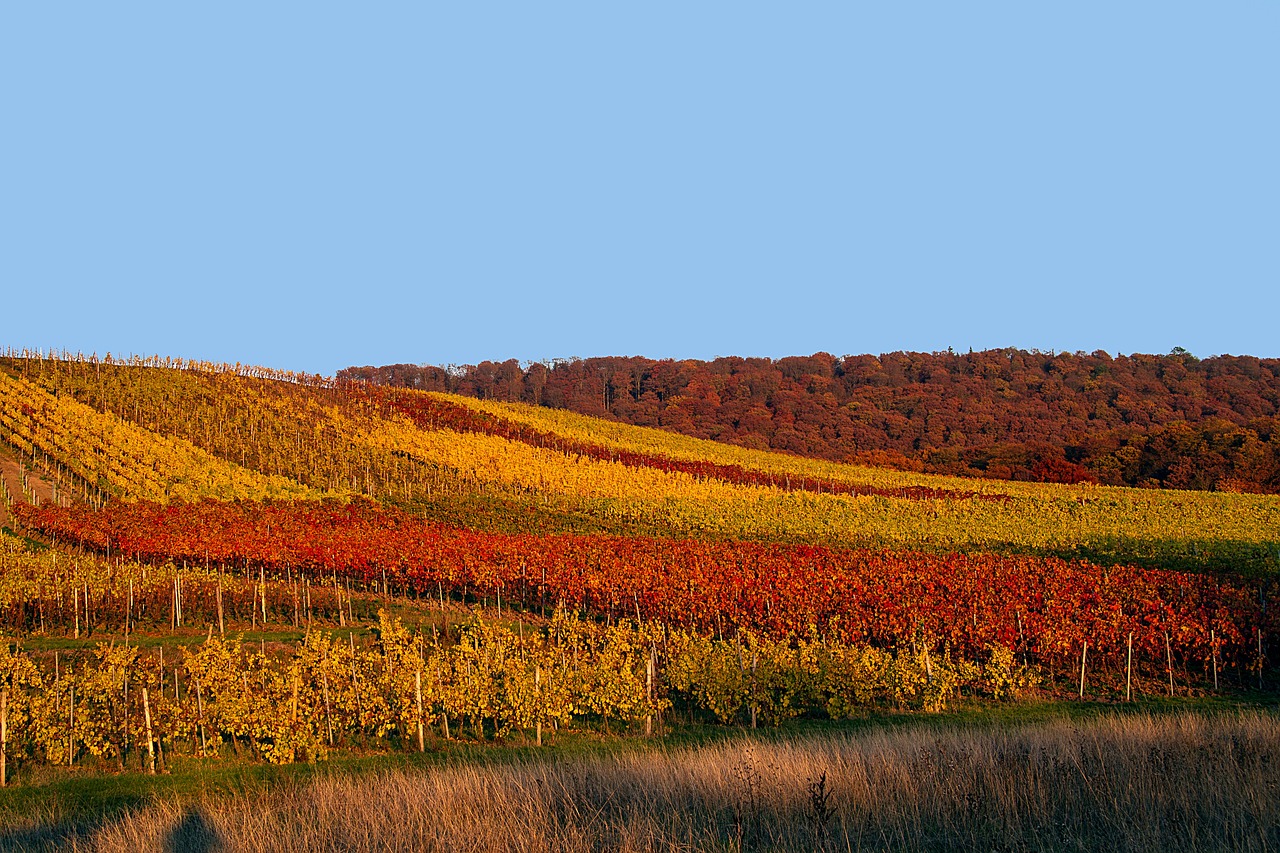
312, 185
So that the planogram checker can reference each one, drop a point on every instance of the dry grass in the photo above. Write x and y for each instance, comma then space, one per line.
1184, 782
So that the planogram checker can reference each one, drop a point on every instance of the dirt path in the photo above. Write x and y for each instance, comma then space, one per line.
11, 473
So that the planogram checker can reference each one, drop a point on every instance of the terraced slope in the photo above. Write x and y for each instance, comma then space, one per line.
161, 433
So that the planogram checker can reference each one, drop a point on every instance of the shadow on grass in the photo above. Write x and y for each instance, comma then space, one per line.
193, 834
65, 809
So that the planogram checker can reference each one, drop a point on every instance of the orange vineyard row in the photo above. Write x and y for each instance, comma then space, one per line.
1046, 608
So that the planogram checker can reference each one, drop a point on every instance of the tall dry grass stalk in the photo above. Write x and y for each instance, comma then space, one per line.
1170, 783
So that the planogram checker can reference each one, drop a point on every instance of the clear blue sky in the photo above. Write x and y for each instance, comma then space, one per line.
313, 185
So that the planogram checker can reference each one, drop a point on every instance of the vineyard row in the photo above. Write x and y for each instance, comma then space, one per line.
1044, 608
123, 706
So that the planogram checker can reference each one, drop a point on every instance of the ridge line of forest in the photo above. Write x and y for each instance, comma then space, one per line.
1171, 420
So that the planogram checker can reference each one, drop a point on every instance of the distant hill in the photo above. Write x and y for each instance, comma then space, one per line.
80, 437
1171, 420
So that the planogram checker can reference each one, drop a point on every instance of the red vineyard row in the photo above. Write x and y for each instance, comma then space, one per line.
1045, 608
432, 413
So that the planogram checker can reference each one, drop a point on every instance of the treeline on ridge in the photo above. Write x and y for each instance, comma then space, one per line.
1171, 421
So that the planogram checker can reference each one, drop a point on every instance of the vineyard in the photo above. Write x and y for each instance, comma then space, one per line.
1043, 608
359, 679
402, 448
335, 565
1169, 421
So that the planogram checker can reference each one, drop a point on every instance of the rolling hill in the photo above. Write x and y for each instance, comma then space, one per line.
555, 569
1144, 420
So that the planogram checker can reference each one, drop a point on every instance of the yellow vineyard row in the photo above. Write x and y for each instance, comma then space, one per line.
104, 450
344, 444
638, 439
1045, 518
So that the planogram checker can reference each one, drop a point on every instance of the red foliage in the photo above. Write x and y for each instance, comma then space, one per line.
433, 413
1044, 607
1171, 420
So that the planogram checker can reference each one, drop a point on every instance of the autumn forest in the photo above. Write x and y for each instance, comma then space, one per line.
1140, 420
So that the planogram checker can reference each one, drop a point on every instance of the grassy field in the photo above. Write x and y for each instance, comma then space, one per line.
111, 607
1032, 777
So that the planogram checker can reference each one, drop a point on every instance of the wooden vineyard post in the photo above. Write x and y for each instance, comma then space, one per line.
71, 726
1084, 656
648, 690
294, 703
1213, 651
151, 743
351, 637
1128, 672
537, 688
417, 681
1259, 658
128, 611
4, 738
262, 585
1021, 639
204, 741
1168, 652
222, 629
328, 713
337, 592
75, 606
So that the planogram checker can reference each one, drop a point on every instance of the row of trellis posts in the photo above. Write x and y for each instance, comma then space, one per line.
1128, 673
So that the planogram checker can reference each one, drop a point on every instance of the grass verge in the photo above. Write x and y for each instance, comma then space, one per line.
59, 806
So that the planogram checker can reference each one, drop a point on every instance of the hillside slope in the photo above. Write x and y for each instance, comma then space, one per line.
1172, 420
185, 434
